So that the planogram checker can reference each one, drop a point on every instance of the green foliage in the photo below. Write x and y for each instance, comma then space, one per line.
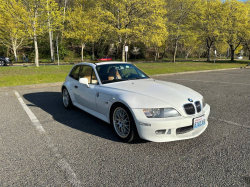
177, 27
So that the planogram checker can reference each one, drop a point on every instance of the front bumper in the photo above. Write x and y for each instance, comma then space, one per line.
169, 124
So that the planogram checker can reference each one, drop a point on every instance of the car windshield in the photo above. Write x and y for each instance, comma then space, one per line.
109, 73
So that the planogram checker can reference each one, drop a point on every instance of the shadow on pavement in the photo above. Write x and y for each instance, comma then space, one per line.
51, 103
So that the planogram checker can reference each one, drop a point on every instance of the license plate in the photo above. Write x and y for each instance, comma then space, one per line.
200, 121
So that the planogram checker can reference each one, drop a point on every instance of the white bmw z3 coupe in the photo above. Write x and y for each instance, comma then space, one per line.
136, 105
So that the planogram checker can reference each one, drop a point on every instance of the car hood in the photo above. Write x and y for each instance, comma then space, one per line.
171, 93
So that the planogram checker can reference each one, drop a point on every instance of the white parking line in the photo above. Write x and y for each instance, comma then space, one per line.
32, 117
71, 176
211, 81
230, 122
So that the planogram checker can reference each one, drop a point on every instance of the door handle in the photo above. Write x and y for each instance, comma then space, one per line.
76, 86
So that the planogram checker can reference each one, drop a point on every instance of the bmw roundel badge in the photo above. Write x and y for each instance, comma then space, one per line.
191, 100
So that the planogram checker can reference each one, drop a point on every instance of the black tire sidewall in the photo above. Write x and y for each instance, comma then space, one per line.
133, 134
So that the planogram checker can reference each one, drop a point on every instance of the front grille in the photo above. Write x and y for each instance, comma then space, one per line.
183, 130
198, 106
189, 108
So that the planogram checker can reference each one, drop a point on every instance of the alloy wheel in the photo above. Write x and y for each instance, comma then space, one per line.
66, 98
121, 122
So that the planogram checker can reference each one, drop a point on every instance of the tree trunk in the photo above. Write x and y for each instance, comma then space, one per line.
36, 51
232, 52
64, 10
14, 47
165, 50
83, 46
123, 53
93, 51
209, 45
50, 37
248, 48
15, 53
208, 54
51, 45
175, 50
187, 56
7, 52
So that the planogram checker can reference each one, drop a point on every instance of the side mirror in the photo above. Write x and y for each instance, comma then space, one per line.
84, 81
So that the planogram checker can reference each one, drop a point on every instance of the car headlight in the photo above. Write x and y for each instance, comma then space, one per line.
203, 103
160, 112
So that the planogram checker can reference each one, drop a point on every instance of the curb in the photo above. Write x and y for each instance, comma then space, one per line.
190, 72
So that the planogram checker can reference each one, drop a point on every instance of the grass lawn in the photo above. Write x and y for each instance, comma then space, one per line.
13, 76
163, 68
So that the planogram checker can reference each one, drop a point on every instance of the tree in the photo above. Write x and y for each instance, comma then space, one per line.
247, 30
180, 14
84, 24
33, 15
209, 19
36, 16
129, 20
234, 28
54, 19
191, 43
12, 32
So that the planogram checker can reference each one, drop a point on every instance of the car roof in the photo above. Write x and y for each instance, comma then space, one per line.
110, 62
101, 63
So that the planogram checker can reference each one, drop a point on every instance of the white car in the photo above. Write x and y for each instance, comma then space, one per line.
135, 104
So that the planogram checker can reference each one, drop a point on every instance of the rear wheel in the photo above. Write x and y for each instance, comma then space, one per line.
67, 103
123, 123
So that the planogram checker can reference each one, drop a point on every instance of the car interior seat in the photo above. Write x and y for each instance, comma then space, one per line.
87, 74
113, 74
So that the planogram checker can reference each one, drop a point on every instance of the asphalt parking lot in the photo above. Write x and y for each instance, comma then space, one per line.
73, 148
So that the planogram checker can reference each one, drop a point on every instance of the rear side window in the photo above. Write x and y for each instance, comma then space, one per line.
75, 72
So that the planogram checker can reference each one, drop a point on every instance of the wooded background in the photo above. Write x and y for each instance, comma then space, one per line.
153, 29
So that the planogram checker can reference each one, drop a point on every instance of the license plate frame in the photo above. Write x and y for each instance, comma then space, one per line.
199, 121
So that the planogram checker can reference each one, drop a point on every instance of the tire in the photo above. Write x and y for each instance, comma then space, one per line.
123, 123
2, 63
67, 103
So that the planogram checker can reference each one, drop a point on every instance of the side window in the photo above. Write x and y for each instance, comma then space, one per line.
88, 72
75, 73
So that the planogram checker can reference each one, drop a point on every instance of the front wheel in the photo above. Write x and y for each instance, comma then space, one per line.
67, 103
123, 123
2, 63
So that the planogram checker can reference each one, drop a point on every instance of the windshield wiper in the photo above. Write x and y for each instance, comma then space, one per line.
136, 78
114, 80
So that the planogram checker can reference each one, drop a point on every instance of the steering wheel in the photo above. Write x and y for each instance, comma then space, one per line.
127, 75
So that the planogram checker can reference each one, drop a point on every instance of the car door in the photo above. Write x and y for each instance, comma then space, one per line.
84, 95
74, 80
